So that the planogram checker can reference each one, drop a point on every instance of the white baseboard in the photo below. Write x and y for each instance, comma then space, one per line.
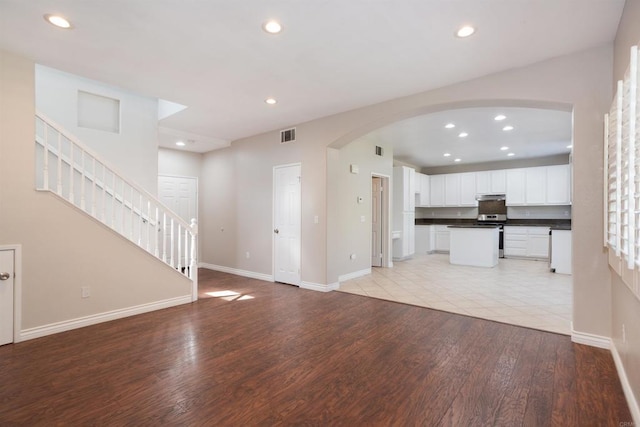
237, 272
634, 408
354, 274
320, 287
590, 339
80, 322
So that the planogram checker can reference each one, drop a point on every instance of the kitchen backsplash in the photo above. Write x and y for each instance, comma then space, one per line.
516, 212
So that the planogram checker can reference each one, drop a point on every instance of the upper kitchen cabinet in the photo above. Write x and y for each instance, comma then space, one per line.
422, 196
468, 189
452, 189
404, 189
491, 182
516, 179
436, 188
559, 185
546, 185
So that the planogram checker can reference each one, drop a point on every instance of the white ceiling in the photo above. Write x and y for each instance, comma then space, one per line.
423, 141
333, 55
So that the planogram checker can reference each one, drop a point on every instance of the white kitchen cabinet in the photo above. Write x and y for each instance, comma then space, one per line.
424, 239
491, 182
526, 242
536, 186
468, 189
498, 181
422, 195
516, 179
558, 185
561, 251
404, 212
417, 183
436, 188
442, 238
452, 189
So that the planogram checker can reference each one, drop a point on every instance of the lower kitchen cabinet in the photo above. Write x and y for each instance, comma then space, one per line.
442, 238
526, 242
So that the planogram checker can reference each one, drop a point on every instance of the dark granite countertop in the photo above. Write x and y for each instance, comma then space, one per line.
473, 226
510, 222
561, 227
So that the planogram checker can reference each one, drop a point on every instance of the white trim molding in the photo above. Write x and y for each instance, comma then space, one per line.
634, 408
354, 275
80, 322
237, 272
320, 287
590, 339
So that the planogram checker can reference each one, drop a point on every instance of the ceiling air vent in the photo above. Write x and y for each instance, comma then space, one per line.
287, 135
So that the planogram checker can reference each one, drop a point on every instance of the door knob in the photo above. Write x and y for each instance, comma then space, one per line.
276, 231
5, 276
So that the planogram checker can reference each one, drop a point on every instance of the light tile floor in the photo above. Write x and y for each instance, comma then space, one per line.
518, 292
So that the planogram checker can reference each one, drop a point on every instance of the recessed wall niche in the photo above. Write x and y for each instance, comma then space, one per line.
98, 112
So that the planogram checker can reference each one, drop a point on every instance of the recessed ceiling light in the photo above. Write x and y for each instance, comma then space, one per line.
570, 146
457, 160
447, 154
272, 27
505, 148
270, 101
465, 31
463, 134
57, 20
507, 128
499, 117
180, 144
511, 154
450, 126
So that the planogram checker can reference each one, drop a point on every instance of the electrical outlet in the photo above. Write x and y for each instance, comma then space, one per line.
248, 255
624, 334
459, 214
85, 292
316, 219
363, 218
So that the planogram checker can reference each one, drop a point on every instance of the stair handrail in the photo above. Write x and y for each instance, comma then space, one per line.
190, 267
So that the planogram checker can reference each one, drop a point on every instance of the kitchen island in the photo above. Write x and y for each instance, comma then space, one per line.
474, 245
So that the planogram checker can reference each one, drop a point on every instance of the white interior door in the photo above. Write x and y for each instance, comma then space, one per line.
6, 296
376, 222
286, 223
180, 194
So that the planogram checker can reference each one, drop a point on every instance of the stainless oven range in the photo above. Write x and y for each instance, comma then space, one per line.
492, 210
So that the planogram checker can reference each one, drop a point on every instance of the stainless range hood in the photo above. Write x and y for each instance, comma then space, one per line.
486, 197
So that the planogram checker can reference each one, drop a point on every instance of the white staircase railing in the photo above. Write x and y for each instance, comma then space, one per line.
67, 168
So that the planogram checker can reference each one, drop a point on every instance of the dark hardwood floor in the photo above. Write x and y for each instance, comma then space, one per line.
272, 354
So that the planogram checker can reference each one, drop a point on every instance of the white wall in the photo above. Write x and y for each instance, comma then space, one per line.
63, 249
133, 150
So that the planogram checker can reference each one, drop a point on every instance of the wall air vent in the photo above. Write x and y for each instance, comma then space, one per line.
378, 151
287, 135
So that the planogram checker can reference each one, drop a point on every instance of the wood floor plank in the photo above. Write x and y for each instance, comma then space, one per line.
274, 354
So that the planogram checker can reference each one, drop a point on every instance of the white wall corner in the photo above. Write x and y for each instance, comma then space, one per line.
80, 322
634, 408
320, 287
590, 339
237, 271
353, 275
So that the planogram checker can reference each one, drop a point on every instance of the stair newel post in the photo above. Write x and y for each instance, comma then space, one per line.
193, 264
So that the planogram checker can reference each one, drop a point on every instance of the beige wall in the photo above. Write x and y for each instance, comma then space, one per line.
179, 163
625, 307
580, 83
63, 249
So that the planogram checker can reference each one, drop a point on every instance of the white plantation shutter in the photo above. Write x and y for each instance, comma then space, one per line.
614, 166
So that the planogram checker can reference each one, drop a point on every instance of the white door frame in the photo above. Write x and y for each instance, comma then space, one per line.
17, 289
386, 217
273, 219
